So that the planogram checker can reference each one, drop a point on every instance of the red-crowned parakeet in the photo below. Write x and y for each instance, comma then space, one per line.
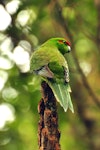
48, 61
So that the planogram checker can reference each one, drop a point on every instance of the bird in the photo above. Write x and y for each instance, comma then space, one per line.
49, 63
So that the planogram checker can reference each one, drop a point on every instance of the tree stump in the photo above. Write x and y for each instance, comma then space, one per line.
48, 133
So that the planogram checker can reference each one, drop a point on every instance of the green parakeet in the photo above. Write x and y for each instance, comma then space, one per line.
49, 62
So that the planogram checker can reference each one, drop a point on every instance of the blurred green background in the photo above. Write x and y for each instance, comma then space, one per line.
25, 25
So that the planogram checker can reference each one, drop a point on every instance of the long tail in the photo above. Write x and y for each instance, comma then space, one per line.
62, 94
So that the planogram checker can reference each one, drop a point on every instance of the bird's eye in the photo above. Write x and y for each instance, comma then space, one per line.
64, 42
67, 43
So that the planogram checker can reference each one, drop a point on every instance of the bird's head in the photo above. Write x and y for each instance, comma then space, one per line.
62, 44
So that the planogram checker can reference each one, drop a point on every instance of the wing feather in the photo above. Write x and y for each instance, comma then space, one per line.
62, 94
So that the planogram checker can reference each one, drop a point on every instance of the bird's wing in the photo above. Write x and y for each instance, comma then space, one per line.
60, 86
44, 71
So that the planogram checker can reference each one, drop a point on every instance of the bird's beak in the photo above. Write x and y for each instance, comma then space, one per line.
69, 49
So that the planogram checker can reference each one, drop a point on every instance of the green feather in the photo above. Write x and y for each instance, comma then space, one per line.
62, 95
49, 62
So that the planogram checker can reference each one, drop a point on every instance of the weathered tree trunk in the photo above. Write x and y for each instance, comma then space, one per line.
48, 133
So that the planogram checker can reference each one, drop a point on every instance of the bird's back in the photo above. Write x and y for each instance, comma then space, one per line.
45, 55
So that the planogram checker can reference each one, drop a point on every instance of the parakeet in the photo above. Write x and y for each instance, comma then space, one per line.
48, 61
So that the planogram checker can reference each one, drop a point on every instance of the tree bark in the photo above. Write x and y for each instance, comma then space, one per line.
48, 133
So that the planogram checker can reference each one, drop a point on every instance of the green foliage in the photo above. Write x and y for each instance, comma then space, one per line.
33, 23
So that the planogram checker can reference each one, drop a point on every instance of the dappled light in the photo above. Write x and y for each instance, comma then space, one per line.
4, 22
6, 45
86, 67
23, 17
24, 26
12, 6
9, 94
3, 78
5, 63
7, 114
21, 58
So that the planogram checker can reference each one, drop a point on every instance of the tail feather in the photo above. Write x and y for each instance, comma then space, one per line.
62, 94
